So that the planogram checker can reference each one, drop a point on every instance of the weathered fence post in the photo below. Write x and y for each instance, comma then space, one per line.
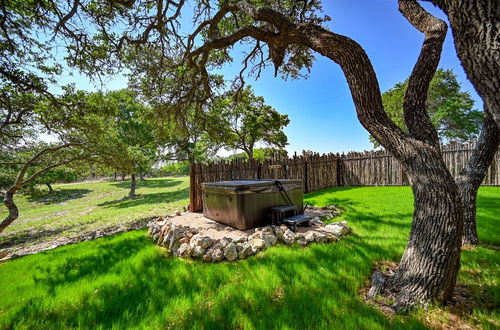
306, 178
195, 198
339, 175
192, 186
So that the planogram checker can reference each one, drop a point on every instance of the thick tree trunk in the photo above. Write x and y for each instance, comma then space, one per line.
51, 191
11, 207
430, 263
114, 176
473, 174
123, 176
431, 260
468, 194
475, 25
133, 184
248, 151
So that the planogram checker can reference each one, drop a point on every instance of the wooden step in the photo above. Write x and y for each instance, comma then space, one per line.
283, 208
296, 220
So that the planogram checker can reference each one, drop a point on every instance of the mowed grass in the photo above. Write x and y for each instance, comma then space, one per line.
76, 209
125, 281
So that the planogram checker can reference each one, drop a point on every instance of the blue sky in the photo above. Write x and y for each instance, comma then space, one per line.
321, 112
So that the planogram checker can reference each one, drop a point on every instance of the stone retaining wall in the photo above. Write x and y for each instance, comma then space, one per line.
185, 241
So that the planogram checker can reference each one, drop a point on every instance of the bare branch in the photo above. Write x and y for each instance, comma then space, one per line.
67, 17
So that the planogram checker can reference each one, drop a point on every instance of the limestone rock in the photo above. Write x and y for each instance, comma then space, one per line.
302, 241
3, 253
327, 216
288, 237
167, 232
202, 241
217, 255
184, 251
258, 235
225, 241
177, 235
198, 251
316, 222
214, 253
321, 238
269, 239
187, 242
278, 232
266, 229
310, 236
256, 244
207, 257
244, 250
240, 240
184, 240
230, 252
338, 228
299, 235
331, 237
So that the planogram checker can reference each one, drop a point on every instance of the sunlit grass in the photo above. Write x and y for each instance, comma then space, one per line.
125, 281
86, 207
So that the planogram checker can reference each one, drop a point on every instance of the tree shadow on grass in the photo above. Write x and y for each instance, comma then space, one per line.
156, 183
143, 199
124, 281
11, 239
131, 285
58, 196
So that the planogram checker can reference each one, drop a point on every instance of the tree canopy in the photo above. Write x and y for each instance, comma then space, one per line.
247, 120
450, 109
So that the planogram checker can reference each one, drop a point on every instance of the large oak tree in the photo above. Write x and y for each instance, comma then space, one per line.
248, 120
287, 33
26, 156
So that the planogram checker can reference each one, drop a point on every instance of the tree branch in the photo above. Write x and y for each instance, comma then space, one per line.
67, 17
484, 152
19, 180
415, 110
342, 50
36, 174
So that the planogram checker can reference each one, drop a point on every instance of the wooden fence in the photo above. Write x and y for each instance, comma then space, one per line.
316, 172
369, 168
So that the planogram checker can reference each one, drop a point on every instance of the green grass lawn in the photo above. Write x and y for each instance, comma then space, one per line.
77, 209
124, 281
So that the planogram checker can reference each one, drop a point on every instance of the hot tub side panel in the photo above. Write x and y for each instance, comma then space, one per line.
246, 210
222, 207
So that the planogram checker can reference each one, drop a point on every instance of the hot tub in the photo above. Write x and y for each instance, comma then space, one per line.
244, 204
